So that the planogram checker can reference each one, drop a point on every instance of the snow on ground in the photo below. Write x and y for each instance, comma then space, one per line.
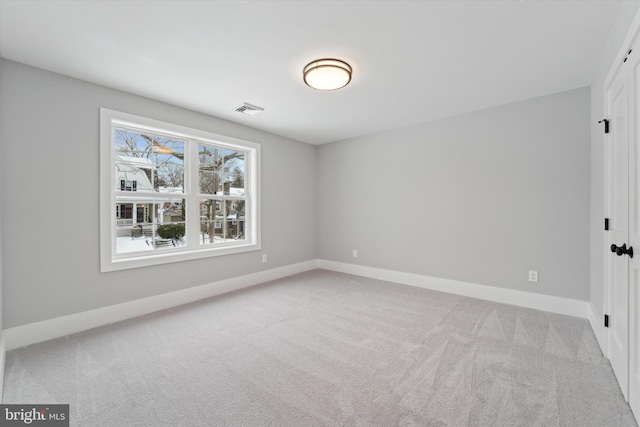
128, 244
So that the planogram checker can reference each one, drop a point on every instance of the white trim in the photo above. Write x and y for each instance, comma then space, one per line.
543, 302
110, 260
32, 333
598, 329
602, 334
632, 34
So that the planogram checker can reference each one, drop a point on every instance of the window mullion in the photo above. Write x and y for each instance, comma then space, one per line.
191, 193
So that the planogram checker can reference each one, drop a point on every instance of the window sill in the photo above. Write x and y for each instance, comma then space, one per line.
108, 265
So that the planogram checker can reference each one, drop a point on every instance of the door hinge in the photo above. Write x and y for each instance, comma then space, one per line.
606, 224
627, 57
606, 125
606, 320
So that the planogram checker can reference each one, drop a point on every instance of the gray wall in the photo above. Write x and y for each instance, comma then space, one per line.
482, 197
50, 210
1, 203
614, 43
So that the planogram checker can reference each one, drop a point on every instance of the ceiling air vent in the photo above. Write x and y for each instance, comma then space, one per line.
249, 110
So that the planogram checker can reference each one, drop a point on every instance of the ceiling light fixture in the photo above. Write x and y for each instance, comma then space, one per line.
327, 74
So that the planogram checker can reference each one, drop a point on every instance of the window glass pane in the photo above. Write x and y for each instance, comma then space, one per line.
236, 207
209, 157
171, 227
235, 230
234, 169
220, 171
237, 185
235, 217
208, 182
170, 178
131, 225
211, 221
128, 240
224, 188
124, 214
170, 235
143, 224
146, 162
168, 159
210, 161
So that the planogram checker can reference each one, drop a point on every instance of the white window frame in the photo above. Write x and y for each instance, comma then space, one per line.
110, 260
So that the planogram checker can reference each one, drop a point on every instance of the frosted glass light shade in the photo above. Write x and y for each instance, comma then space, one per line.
327, 74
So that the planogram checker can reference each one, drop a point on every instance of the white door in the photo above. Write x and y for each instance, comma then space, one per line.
633, 65
623, 200
618, 206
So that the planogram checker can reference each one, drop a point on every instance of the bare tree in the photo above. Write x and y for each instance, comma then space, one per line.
165, 171
174, 174
216, 173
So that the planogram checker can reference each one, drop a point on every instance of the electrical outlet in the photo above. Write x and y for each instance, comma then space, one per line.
264, 258
533, 276
355, 253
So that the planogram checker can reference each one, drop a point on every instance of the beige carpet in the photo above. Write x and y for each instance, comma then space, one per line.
324, 348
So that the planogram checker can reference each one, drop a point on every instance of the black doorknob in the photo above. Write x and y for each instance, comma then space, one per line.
622, 250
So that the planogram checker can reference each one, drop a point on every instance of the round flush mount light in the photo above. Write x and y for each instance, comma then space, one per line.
327, 74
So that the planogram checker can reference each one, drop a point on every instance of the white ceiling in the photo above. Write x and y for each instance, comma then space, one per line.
413, 61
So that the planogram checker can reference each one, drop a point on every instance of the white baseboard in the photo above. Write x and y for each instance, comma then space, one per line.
32, 333
543, 302
598, 329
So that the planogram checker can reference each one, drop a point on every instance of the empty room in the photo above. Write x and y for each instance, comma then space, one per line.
319, 213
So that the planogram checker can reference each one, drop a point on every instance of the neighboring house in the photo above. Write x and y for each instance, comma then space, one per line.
136, 215
235, 218
132, 175
235, 224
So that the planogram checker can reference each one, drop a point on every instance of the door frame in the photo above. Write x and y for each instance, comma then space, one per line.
632, 36
617, 281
